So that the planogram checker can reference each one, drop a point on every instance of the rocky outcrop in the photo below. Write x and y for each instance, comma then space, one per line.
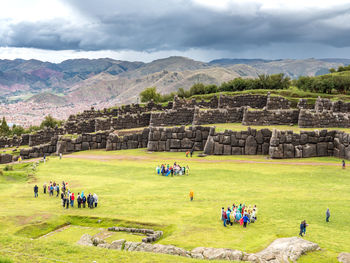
85, 240
344, 257
217, 253
284, 250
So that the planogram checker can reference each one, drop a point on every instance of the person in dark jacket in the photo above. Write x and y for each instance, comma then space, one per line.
36, 189
79, 201
88, 200
328, 215
44, 186
84, 200
245, 220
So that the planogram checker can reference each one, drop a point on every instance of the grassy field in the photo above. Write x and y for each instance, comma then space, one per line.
131, 194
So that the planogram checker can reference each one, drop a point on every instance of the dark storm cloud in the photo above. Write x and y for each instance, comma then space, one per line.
149, 25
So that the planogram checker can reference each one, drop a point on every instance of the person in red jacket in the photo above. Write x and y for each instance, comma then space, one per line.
72, 200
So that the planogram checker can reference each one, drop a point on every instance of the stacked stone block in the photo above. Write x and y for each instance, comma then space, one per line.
270, 117
220, 115
177, 139
249, 142
286, 144
277, 103
181, 116
312, 119
132, 141
253, 101
44, 136
184, 103
129, 121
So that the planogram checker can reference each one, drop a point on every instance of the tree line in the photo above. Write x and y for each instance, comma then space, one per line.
275, 81
6, 130
329, 83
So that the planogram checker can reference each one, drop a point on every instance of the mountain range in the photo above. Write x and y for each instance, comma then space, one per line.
92, 81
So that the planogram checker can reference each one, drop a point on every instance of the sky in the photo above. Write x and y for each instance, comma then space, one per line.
145, 30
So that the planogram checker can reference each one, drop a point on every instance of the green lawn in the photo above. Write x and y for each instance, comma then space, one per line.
131, 194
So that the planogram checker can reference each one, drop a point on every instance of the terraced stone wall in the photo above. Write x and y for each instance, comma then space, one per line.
219, 115
270, 117
249, 142
177, 139
181, 116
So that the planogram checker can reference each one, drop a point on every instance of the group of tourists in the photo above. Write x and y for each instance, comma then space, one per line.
52, 188
241, 214
171, 170
67, 196
68, 199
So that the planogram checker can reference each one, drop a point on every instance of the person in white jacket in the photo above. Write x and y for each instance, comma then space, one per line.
95, 199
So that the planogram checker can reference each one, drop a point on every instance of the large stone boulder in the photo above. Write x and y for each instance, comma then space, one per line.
85, 240
117, 244
209, 146
250, 146
284, 250
216, 253
344, 257
309, 150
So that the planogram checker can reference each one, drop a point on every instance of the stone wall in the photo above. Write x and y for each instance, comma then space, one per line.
305, 104
132, 141
277, 103
249, 142
5, 158
44, 136
130, 121
286, 144
185, 103
312, 119
323, 104
253, 101
270, 117
177, 139
181, 116
220, 115
40, 150
14, 141
86, 141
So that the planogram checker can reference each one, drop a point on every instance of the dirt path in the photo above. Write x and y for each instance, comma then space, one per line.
137, 158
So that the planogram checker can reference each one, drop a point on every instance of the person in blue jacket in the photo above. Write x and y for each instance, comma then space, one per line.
245, 220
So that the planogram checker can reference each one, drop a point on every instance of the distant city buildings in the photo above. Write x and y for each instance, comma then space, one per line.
29, 113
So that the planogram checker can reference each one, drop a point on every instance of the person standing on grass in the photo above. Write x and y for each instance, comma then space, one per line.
44, 186
57, 189
228, 215
95, 199
301, 228
192, 151
328, 215
36, 189
63, 195
60, 156
187, 170
245, 220
224, 216
67, 200
343, 164
191, 195
72, 200
83, 197
91, 201
79, 200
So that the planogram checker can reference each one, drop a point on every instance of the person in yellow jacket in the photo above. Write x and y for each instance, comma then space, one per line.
191, 195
